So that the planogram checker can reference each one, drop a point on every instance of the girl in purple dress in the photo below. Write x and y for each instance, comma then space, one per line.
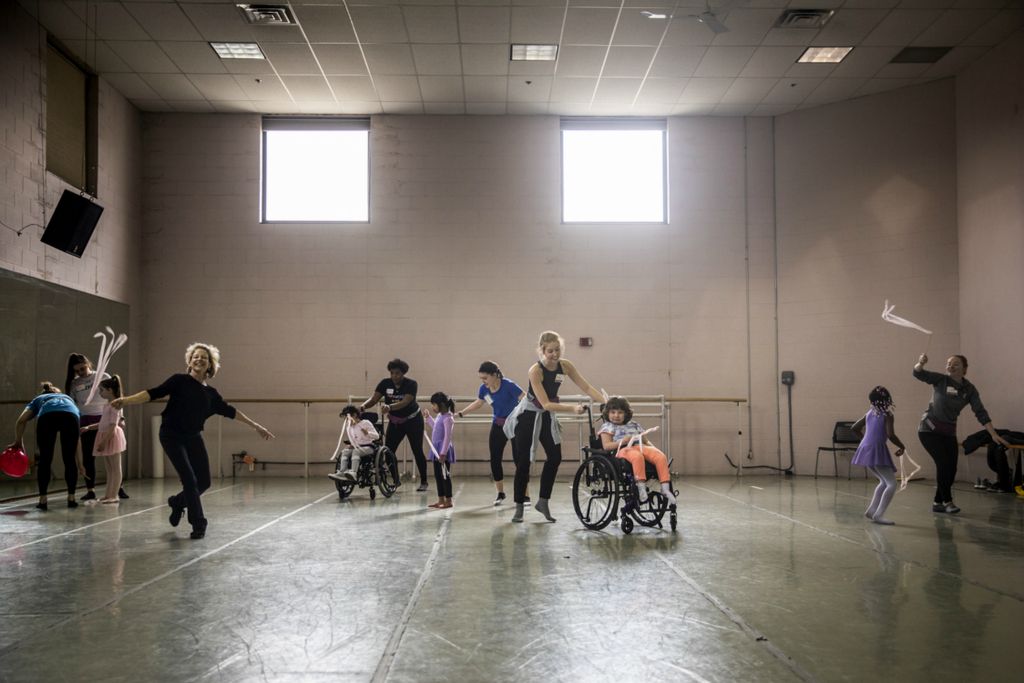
873, 454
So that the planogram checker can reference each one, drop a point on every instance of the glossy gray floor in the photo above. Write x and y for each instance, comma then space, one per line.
767, 579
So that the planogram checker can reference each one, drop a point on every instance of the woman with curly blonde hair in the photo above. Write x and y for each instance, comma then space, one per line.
190, 402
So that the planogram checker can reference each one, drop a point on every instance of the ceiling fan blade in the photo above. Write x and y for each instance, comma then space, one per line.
712, 22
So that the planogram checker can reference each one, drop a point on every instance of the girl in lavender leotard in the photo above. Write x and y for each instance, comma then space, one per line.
873, 454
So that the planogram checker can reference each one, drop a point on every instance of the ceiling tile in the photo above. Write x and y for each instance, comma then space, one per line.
98, 55
269, 88
143, 57
661, 90
772, 109
308, 88
954, 26
150, 105
790, 36
806, 70
402, 107
378, 24
877, 85
235, 106
901, 27
340, 59
537, 25
110, 20
704, 90
870, 4
849, 26
748, 90
580, 60
255, 67
998, 28
277, 34
441, 88
926, 4
485, 60
172, 86
61, 21
444, 108
693, 109
634, 28
131, 86
538, 91
398, 88
651, 109
531, 68
791, 90
686, 30
486, 108
902, 70
218, 86
163, 21
617, 91
719, 62
485, 88
348, 88
588, 26
291, 58
197, 58
955, 61
325, 23
733, 109
746, 26
431, 24
864, 62
834, 90
527, 108
677, 61
389, 59
440, 60
484, 24
218, 23
566, 89
628, 61
191, 106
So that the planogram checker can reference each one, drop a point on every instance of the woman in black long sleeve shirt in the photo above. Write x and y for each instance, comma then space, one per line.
190, 402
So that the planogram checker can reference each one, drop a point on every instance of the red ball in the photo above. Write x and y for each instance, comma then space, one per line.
14, 462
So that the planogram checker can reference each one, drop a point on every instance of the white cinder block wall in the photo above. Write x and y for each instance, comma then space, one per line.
990, 212
866, 194
464, 260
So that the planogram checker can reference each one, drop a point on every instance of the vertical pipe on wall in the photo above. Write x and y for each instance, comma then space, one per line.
746, 259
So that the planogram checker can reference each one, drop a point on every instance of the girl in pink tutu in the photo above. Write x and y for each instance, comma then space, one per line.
110, 441
873, 453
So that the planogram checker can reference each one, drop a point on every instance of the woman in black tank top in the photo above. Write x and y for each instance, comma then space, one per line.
546, 377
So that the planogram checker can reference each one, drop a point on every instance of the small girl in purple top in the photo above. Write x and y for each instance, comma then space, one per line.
873, 454
442, 450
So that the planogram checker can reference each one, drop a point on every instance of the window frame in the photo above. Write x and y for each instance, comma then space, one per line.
315, 123
612, 124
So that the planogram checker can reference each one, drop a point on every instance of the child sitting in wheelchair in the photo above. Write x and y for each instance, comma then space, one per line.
355, 441
618, 430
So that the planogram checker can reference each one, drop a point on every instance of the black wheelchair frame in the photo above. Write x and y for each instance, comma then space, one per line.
603, 481
379, 471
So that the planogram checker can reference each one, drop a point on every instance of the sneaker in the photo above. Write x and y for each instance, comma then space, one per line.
422, 487
176, 513
980, 484
72, 503
337, 476
121, 494
198, 531
500, 499
952, 509
938, 507
89, 495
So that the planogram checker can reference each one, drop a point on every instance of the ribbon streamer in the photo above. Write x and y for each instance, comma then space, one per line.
888, 317
638, 439
107, 352
904, 477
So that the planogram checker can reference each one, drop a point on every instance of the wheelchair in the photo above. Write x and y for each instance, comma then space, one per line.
603, 482
376, 471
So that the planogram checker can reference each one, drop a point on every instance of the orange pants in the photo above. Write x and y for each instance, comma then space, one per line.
651, 455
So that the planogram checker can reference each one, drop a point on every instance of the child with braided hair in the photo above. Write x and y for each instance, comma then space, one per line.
873, 454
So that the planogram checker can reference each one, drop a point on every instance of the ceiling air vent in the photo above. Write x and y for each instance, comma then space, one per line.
804, 18
268, 15
920, 55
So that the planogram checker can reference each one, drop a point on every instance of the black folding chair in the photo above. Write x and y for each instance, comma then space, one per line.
844, 440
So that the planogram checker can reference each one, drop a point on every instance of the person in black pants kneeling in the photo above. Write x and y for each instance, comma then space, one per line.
190, 402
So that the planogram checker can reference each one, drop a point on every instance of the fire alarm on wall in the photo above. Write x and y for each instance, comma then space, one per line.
586, 341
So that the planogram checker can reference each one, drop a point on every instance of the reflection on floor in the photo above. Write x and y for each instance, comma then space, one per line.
767, 579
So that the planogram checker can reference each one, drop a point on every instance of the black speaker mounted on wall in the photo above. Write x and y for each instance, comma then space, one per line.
72, 223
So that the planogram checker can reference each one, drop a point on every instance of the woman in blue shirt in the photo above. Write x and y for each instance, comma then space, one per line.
503, 395
58, 415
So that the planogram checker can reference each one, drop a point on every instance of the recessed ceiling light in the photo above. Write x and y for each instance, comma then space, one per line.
824, 55
238, 50
654, 15
532, 53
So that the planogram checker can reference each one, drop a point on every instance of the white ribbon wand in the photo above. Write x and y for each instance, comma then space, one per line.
888, 317
638, 439
103, 361
904, 477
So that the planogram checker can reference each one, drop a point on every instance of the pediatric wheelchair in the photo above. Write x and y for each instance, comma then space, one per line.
603, 481
378, 470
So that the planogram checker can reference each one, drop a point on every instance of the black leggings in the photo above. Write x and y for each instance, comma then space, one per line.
88, 442
188, 455
945, 453
521, 454
413, 430
50, 425
444, 484
497, 441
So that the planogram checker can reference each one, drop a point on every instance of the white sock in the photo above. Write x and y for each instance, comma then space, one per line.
641, 491
666, 490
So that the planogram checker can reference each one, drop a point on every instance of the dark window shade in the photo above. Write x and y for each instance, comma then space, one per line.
66, 126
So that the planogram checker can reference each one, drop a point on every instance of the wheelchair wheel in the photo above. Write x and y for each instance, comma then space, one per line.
344, 487
595, 492
626, 524
373, 493
651, 512
386, 467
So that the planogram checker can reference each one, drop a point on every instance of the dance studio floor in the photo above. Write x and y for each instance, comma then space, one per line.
767, 579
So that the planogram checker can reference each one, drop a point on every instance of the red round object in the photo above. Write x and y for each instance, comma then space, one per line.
14, 462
